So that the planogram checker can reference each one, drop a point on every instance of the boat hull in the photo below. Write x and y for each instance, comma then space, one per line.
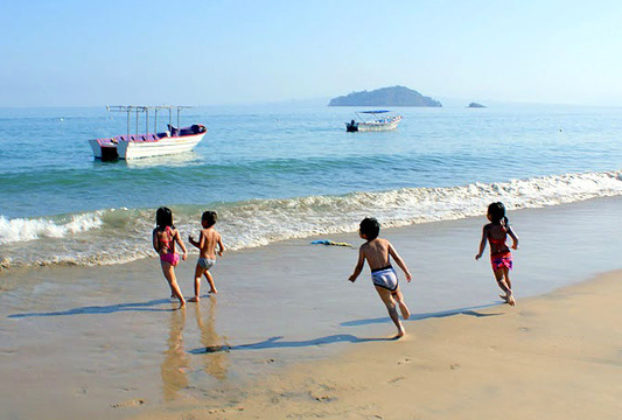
129, 150
165, 146
386, 125
377, 127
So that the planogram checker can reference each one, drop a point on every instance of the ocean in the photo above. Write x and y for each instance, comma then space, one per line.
93, 332
277, 172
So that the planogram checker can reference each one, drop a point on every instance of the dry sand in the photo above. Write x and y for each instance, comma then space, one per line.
556, 356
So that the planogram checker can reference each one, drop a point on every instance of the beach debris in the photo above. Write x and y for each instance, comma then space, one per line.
329, 242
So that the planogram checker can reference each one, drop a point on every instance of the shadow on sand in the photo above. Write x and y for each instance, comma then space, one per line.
417, 317
276, 343
108, 309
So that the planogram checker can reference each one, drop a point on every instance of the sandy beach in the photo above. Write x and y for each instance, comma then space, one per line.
289, 335
557, 356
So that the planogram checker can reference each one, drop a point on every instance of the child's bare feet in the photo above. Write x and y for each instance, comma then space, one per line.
194, 299
213, 291
504, 297
404, 310
400, 333
511, 300
182, 304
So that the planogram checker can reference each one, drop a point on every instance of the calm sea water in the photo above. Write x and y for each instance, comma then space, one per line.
278, 172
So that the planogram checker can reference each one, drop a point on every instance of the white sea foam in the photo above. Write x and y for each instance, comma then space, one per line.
261, 222
19, 229
114, 237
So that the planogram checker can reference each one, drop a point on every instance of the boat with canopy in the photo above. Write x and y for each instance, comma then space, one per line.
372, 121
133, 146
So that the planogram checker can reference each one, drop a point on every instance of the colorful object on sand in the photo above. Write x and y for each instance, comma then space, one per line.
329, 242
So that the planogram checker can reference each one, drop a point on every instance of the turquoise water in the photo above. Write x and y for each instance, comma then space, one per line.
279, 172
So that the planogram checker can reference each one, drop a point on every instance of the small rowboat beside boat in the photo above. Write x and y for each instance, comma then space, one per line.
134, 146
374, 123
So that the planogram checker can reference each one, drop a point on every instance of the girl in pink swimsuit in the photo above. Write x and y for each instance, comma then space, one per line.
496, 233
164, 237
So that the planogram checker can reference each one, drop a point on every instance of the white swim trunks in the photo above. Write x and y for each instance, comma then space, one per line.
385, 277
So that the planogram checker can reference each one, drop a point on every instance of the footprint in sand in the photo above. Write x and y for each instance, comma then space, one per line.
404, 361
129, 403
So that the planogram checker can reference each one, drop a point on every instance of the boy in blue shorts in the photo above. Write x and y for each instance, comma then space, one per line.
209, 239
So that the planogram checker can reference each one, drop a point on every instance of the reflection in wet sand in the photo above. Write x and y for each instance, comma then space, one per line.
215, 364
176, 360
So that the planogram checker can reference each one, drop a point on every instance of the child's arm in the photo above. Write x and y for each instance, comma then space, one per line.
196, 243
221, 247
156, 242
359, 266
482, 244
400, 262
514, 238
181, 245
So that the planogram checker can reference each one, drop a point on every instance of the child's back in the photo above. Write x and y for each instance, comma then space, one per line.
211, 238
376, 253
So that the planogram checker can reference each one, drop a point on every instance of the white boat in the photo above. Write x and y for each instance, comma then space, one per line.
389, 122
134, 146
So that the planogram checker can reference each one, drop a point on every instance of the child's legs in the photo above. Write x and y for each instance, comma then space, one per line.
169, 274
397, 294
198, 272
210, 280
506, 276
501, 281
389, 302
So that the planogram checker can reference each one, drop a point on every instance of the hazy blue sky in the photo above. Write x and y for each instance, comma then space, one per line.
221, 52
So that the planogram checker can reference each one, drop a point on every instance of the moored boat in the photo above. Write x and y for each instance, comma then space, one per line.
390, 122
134, 146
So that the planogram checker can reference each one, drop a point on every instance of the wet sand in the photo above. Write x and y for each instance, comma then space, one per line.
558, 356
106, 341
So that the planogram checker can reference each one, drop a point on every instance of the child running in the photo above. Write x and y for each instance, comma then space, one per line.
378, 253
208, 239
164, 237
500, 256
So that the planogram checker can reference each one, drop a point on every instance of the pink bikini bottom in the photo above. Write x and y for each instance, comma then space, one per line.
171, 258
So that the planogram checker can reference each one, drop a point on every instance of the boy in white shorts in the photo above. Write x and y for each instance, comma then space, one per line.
377, 252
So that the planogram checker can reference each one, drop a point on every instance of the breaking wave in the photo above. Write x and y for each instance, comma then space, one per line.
116, 236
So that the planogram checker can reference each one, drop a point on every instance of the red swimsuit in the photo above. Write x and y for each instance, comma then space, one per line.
503, 258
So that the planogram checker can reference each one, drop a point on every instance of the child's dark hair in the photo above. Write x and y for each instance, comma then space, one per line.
164, 218
496, 211
210, 217
370, 228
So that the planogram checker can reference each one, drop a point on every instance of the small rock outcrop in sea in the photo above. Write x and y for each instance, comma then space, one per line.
388, 96
476, 105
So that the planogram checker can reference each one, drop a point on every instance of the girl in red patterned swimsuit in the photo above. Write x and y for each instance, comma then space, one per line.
496, 233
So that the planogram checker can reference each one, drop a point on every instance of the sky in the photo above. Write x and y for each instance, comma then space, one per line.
216, 52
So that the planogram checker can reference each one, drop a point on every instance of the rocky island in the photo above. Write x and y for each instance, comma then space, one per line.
388, 96
475, 105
